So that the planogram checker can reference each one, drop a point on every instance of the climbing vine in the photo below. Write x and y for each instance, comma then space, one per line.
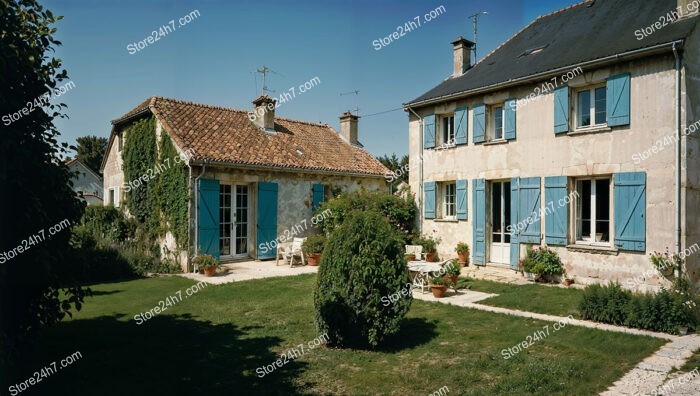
172, 191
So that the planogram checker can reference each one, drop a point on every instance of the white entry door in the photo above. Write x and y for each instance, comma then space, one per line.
500, 220
233, 220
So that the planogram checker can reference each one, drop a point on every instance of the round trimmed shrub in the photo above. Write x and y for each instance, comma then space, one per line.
362, 265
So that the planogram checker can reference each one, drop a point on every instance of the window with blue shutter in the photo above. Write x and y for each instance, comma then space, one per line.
514, 232
208, 217
561, 110
267, 219
479, 221
479, 124
509, 122
429, 200
529, 212
461, 200
317, 196
429, 131
461, 125
556, 223
618, 100
630, 210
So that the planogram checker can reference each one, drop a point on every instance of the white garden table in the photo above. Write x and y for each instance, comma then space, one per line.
420, 271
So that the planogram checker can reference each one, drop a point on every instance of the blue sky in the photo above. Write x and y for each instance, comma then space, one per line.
211, 60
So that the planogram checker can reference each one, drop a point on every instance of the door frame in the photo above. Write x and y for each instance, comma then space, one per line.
490, 226
234, 202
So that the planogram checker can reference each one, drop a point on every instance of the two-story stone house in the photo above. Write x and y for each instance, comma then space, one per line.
575, 133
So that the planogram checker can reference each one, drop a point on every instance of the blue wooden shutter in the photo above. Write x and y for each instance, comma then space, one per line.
317, 196
429, 201
529, 202
479, 124
208, 217
267, 218
479, 221
509, 115
630, 211
514, 232
429, 131
461, 199
461, 125
556, 223
561, 110
618, 100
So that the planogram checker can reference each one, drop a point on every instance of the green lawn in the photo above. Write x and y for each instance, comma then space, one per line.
213, 342
531, 297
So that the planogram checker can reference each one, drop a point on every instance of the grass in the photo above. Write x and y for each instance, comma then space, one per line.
531, 297
212, 343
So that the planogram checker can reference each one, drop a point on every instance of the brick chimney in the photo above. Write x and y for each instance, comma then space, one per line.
348, 128
264, 114
462, 49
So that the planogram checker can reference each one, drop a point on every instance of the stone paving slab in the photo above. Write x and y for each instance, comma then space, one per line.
246, 270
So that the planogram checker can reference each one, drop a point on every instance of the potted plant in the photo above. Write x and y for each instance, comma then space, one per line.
568, 281
207, 264
544, 263
452, 271
462, 250
528, 264
429, 248
313, 247
665, 263
438, 286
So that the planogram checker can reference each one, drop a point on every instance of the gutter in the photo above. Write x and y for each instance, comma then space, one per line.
286, 169
678, 152
420, 170
545, 74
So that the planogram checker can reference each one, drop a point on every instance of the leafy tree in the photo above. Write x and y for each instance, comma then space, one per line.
362, 265
35, 288
395, 165
90, 150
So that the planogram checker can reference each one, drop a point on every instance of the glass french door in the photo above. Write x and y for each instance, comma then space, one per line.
500, 220
233, 220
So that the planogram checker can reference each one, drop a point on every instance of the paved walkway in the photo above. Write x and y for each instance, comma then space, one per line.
648, 376
246, 270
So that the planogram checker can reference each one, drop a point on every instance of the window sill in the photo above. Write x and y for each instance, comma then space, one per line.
586, 131
446, 220
494, 142
592, 249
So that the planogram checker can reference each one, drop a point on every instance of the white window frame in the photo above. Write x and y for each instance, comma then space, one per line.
591, 107
491, 129
445, 203
446, 140
578, 208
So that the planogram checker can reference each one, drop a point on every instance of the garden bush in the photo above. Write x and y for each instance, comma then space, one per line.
665, 311
543, 261
400, 212
363, 261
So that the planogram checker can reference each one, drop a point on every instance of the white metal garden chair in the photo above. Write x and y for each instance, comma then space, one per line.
417, 250
290, 250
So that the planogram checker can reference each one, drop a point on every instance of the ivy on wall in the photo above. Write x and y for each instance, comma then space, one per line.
155, 185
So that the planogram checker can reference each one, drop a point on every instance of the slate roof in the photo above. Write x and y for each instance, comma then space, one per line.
583, 32
224, 135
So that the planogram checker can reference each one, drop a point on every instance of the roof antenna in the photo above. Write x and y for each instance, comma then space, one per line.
264, 72
475, 17
355, 92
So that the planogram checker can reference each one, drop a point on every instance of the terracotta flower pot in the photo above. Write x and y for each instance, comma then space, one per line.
438, 290
568, 282
410, 257
462, 258
313, 258
431, 257
210, 270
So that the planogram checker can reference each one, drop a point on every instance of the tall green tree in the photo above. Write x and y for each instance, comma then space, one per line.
396, 165
35, 288
90, 150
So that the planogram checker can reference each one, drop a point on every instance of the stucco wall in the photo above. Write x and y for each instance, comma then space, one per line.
112, 174
538, 152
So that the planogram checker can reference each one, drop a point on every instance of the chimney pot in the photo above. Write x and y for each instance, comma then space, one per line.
264, 114
348, 128
462, 50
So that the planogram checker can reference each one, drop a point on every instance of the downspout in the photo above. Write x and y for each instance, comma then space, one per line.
196, 212
678, 150
189, 212
420, 170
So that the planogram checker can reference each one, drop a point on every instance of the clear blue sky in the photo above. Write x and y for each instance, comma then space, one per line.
211, 59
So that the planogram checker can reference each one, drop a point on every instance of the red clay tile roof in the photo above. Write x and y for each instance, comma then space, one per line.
225, 135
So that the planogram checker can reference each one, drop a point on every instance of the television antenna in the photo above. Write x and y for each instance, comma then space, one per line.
264, 72
356, 93
475, 18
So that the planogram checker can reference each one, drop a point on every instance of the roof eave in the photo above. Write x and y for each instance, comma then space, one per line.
200, 162
549, 73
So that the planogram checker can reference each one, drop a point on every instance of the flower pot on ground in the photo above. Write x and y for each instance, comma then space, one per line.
452, 270
207, 264
313, 247
438, 286
462, 250
568, 281
544, 263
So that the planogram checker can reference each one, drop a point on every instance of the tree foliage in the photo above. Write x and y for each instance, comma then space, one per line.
34, 288
363, 263
399, 166
90, 150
